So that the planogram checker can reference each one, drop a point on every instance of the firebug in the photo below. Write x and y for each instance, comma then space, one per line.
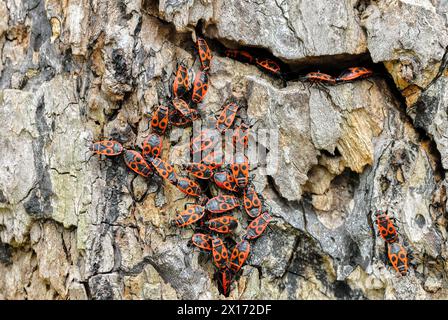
189, 216
188, 187
239, 255
354, 73
200, 86
398, 257
165, 170
227, 117
222, 203
137, 163
152, 146
386, 227
257, 226
224, 224
107, 147
220, 253
205, 55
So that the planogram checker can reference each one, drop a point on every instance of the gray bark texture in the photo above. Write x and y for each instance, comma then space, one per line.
74, 227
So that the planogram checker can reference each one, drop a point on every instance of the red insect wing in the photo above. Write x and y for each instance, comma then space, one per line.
227, 117
224, 180
137, 163
222, 203
224, 281
214, 159
354, 73
239, 255
181, 106
205, 141
268, 65
184, 109
202, 241
152, 146
178, 120
398, 257
240, 171
257, 226
252, 203
224, 224
189, 216
188, 187
386, 227
205, 55
200, 86
165, 170
199, 170
316, 77
224, 278
181, 83
241, 137
107, 147
220, 253
239, 55
159, 120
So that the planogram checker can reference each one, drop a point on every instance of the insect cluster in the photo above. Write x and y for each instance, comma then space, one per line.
397, 254
211, 217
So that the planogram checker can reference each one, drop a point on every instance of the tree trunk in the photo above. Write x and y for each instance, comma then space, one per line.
75, 226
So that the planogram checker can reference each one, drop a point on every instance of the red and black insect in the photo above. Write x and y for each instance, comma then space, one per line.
386, 227
165, 170
257, 226
268, 65
318, 77
239, 255
224, 180
188, 187
224, 278
205, 55
398, 257
240, 55
220, 253
200, 86
182, 82
107, 148
137, 163
222, 203
224, 224
152, 146
251, 202
199, 170
189, 216
159, 120
202, 241
226, 117
241, 137
177, 119
354, 73
205, 141
213, 159
240, 170
185, 110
